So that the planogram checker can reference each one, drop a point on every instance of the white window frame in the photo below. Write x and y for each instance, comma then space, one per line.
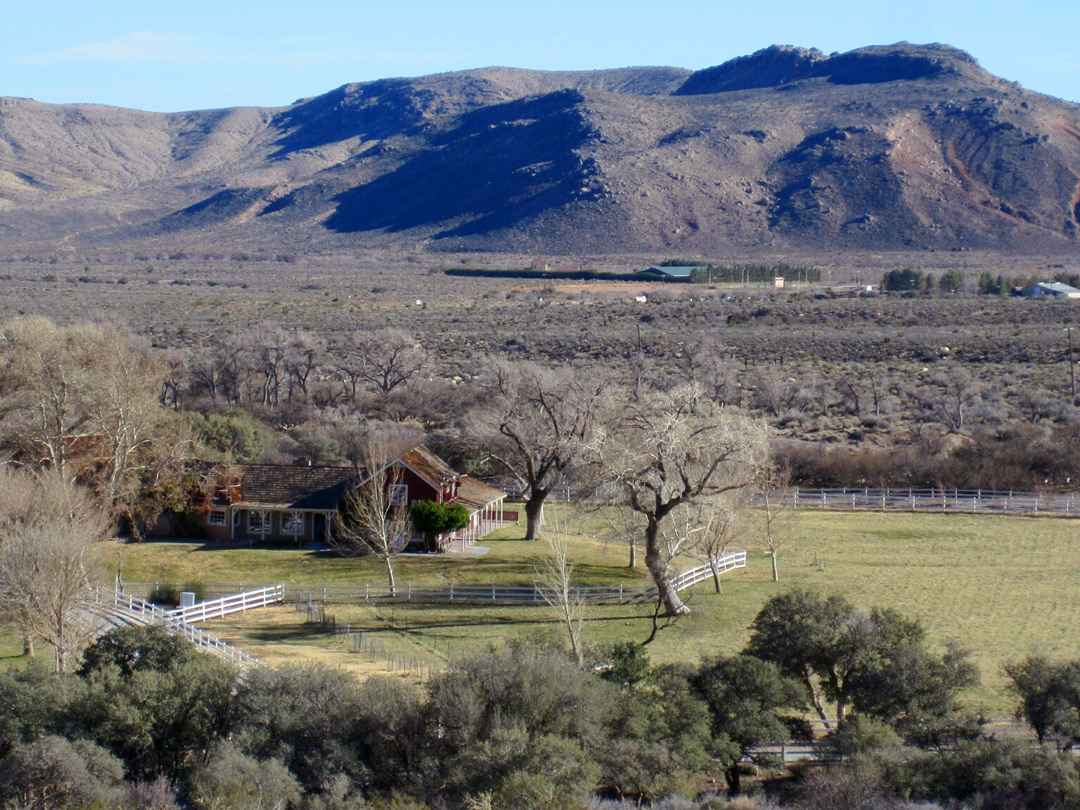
216, 517
258, 522
292, 523
397, 494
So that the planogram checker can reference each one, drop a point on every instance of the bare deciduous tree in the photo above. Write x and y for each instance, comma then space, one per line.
624, 527
775, 512
555, 584
84, 401
48, 556
670, 450
538, 425
374, 517
721, 521
384, 361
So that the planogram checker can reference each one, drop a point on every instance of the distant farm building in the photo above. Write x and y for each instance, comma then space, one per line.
1048, 289
680, 273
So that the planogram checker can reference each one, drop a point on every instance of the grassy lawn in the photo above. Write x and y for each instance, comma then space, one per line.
10, 649
1002, 587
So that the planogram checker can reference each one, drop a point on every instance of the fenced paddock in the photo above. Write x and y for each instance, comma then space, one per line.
449, 594
965, 501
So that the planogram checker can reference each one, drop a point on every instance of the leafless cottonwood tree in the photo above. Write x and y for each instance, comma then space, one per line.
538, 424
775, 512
555, 583
374, 517
49, 529
669, 450
382, 362
84, 401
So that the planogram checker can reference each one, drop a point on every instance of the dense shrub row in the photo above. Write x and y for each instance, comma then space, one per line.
148, 722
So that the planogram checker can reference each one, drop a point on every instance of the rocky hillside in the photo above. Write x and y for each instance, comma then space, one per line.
885, 148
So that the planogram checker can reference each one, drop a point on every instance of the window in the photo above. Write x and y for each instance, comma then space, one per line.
398, 494
293, 523
216, 517
259, 522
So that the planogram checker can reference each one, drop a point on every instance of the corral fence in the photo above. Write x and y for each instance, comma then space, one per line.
970, 501
471, 594
120, 608
227, 605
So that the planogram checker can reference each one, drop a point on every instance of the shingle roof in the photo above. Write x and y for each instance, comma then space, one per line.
277, 486
429, 466
476, 494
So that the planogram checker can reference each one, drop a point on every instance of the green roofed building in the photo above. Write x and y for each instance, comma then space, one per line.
681, 273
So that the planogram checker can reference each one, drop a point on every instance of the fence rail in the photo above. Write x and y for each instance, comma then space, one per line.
122, 608
970, 501
227, 605
474, 594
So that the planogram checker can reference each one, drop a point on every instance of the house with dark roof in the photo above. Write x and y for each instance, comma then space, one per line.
299, 502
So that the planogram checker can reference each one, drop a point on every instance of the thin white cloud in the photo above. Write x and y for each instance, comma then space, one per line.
139, 47
145, 47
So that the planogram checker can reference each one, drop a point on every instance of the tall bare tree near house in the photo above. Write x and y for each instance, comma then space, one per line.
775, 512
538, 424
669, 450
49, 556
374, 516
555, 583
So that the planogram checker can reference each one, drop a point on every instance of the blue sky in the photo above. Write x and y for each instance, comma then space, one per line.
200, 54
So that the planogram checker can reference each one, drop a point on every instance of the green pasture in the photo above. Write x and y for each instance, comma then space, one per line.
1004, 587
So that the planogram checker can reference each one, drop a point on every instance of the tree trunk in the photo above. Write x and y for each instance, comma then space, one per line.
715, 576
815, 698
733, 779
657, 565
28, 646
390, 576
534, 511
775, 571
633, 556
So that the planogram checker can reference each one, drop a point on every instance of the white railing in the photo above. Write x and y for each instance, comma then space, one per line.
478, 594
971, 501
125, 606
227, 605
212, 644
724, 563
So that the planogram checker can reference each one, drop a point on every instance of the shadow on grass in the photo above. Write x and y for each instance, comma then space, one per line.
287, 632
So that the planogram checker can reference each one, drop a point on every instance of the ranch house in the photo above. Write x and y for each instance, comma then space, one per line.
299, 502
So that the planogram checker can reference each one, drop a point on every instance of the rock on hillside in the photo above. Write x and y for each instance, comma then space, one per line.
882, 148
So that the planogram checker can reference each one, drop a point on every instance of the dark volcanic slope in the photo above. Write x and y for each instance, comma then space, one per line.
895, 147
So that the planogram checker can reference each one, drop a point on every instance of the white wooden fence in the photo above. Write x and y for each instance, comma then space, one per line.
227, 605
971, 501
467, 594
122, 608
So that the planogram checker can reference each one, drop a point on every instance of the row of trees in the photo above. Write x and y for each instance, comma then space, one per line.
522, 726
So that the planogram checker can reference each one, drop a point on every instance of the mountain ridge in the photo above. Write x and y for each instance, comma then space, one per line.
895, 147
